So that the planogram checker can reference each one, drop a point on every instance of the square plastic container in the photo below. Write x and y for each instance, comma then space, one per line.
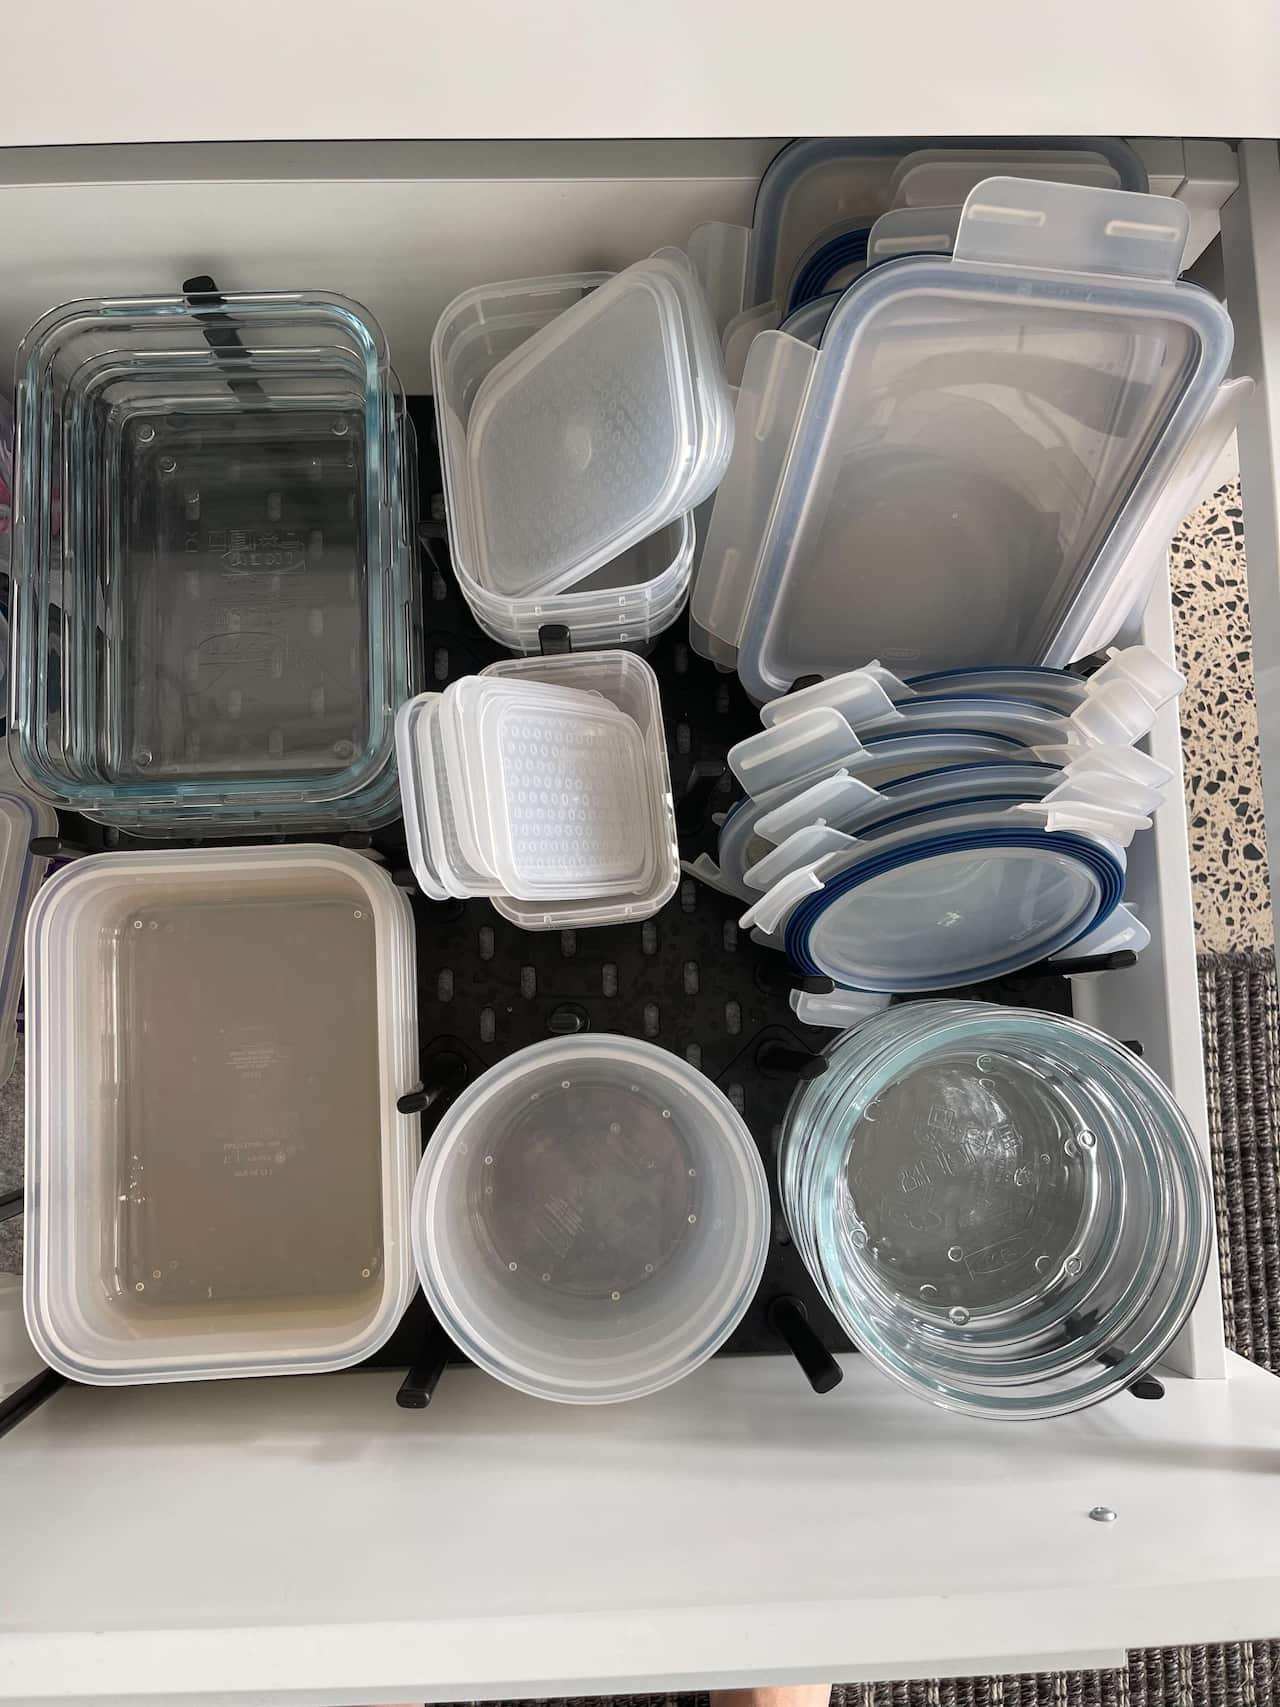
589, 433
630, 684
229, 589
965, 471
218, 1178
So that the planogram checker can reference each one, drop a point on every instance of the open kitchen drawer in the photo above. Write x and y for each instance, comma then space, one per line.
306, 1541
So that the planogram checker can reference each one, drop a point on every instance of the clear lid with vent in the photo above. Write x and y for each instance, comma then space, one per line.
608, 423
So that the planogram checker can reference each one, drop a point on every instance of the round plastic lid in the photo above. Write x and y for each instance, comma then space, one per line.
591, 1219
1058, 690
955, 909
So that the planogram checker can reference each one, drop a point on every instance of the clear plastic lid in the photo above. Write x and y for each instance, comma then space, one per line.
938, 912
976, 447
818, 183
1047, 1269
628, 683
1058, 690
218, 1176
605, 425
566, 791
591, 1219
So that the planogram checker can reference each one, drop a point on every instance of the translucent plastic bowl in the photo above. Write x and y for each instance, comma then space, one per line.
1005, 1209
591, 1219
217, 1175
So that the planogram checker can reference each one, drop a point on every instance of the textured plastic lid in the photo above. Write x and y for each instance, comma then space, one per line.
978, 443
629, 683
943, 911
566, 792
591, 1219
604, 426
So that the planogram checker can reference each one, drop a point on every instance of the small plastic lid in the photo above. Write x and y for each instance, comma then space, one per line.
591, 1219
950, 910
409, 765
566, 794
601, 428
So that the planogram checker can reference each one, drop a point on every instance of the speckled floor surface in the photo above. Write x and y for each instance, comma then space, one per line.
1220, 729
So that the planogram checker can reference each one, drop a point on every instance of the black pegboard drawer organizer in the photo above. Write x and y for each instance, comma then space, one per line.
687, 979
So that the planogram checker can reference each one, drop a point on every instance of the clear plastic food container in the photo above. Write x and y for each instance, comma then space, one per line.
591, 1219
217, 1175
1005, 1209
591, 433
229, 586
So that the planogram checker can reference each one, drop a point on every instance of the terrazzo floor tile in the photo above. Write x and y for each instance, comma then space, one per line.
1220, 729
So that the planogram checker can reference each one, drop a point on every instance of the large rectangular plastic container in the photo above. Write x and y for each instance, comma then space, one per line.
217, 1174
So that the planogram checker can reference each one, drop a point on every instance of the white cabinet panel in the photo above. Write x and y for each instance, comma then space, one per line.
145, 70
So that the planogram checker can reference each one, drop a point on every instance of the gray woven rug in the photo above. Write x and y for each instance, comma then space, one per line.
1240, 1011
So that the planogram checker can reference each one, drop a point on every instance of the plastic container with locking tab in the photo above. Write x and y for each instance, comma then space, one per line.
591, 1219
628, 683
218, 1177
964, 473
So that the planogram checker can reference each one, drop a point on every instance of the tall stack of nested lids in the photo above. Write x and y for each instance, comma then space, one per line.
901, 836
983, 460
820, 197
582, 419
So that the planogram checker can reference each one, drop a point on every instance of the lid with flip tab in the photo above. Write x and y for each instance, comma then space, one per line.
976, 449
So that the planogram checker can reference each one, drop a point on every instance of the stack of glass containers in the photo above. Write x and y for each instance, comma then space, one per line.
1005, 1209
213, 635
581, 419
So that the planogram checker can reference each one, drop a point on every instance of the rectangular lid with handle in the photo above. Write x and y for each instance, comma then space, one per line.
977, 449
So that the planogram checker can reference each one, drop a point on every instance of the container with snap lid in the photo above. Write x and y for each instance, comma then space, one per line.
591, 1219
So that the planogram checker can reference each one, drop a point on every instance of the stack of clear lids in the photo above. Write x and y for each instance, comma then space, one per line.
216, 608
544, 786
820, 198
581, 419
971, 457
903, 836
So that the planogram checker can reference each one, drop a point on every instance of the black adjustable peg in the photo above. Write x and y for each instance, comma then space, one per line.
705, 780
57, 847
219, 332
445, 1076
777, 1060
1117, 961
802, 682
790, 1321
418, 1387
554, 641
